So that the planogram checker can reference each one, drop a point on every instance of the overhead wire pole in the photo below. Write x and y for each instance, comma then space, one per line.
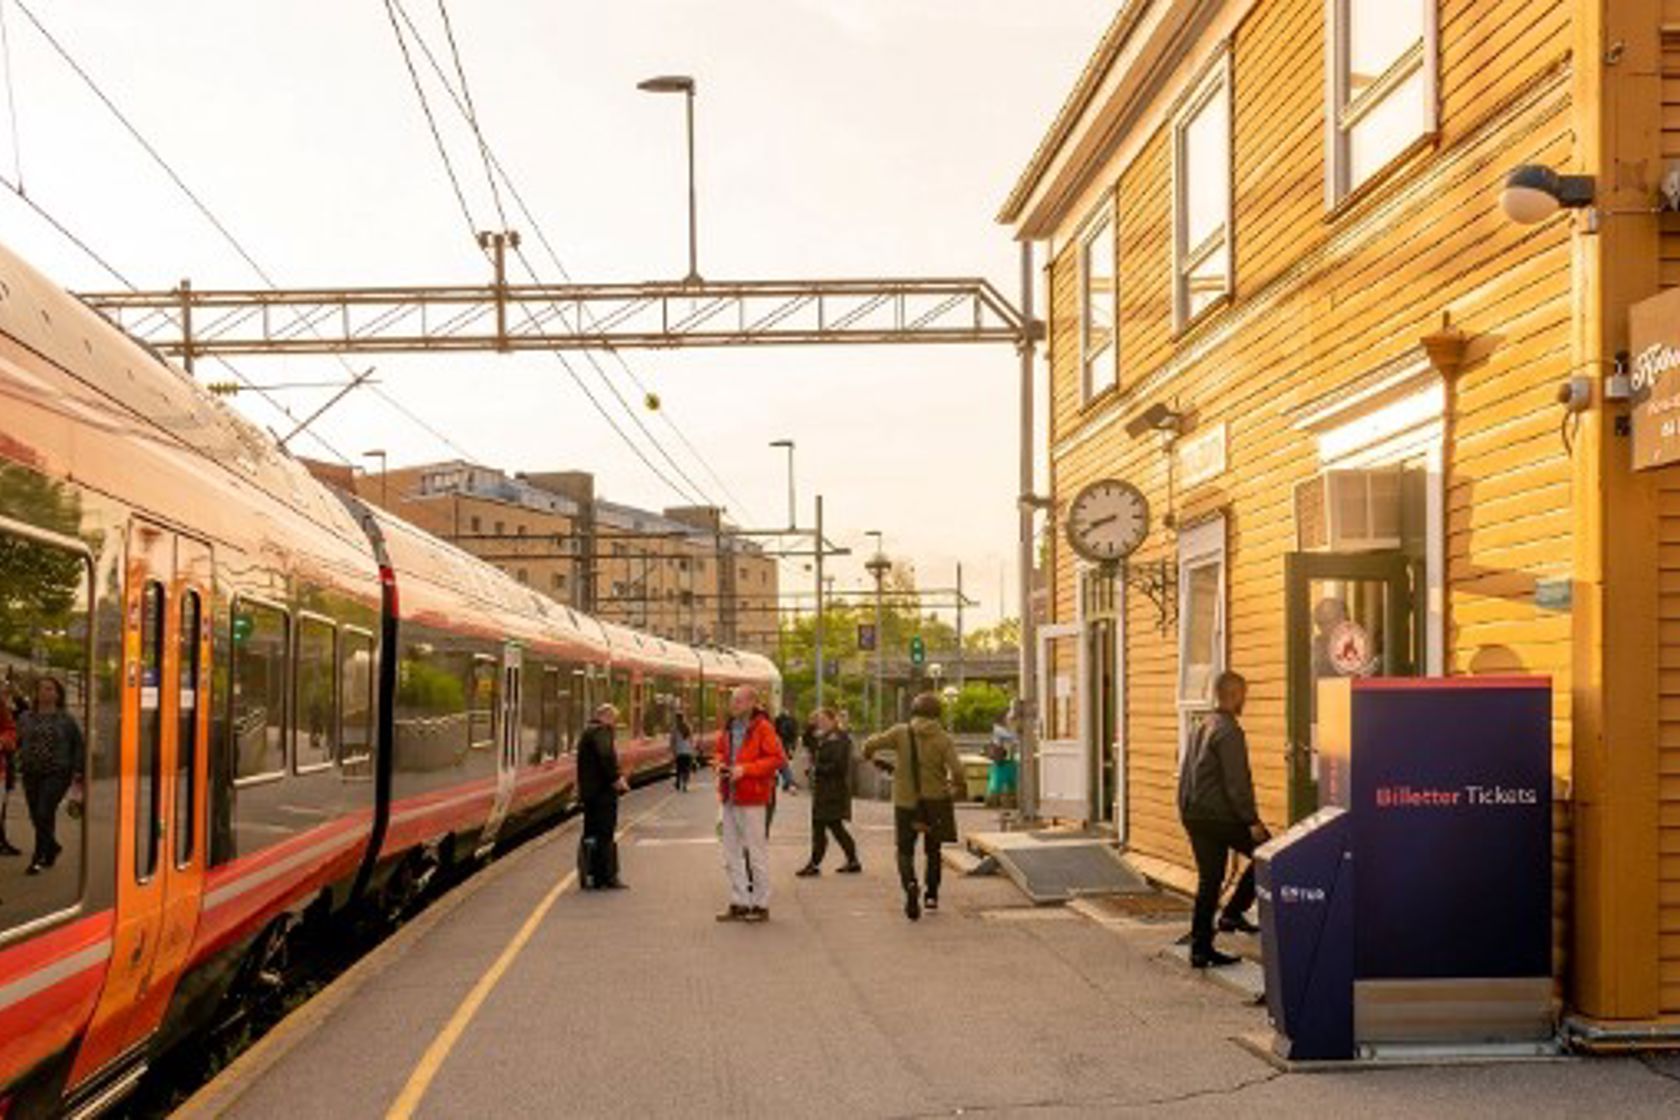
1028, 504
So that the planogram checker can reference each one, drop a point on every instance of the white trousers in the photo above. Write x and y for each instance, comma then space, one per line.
746, 855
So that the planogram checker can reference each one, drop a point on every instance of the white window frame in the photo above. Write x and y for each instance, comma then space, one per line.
1216, 82
1198, 547
1341, 116
1103, 219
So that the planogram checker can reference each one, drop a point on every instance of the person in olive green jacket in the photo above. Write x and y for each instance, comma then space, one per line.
927, 779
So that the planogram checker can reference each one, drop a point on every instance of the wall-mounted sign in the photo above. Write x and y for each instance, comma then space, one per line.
1654, 377
1201, 456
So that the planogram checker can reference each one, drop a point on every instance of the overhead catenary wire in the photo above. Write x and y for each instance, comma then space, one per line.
395, 8
220, 227
11, 99
94, 255
463, 105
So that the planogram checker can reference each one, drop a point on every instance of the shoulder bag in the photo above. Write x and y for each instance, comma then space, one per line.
936, 816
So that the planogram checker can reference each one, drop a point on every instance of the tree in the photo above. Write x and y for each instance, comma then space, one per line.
978, 706
1003, 637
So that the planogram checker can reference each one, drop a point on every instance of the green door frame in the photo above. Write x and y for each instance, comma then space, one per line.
1402, 575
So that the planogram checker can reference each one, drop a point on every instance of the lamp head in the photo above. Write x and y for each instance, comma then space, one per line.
1534, 192
1158, 417
667, 83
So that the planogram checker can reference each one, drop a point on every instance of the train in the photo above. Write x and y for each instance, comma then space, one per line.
292, 705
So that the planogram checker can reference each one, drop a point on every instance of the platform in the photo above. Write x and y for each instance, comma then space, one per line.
517, 996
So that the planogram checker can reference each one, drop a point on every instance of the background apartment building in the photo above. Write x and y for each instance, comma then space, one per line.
680, 573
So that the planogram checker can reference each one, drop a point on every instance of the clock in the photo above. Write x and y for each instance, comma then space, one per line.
1107, 520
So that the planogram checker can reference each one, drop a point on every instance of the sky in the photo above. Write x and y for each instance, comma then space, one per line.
835, 138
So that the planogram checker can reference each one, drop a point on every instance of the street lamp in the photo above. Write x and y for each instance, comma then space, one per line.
793, 517
379, 454
878, 566
681, 83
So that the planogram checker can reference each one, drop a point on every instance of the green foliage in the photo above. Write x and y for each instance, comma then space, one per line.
1003, 637
978, 706
899, 622
41, 587
429, 688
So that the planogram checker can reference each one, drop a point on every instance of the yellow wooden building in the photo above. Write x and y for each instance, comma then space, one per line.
1376, 418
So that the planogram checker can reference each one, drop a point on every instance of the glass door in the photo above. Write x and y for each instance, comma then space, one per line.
1347, 615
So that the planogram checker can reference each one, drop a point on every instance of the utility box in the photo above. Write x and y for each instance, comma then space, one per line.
1304, 880
1441, 794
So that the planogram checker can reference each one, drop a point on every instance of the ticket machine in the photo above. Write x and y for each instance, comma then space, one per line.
1415, 910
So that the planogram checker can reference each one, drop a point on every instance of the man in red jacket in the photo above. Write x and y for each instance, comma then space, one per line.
748, 755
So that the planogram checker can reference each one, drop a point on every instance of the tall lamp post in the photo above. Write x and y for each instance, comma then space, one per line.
878, 566
683, 84
384, 495
793, 516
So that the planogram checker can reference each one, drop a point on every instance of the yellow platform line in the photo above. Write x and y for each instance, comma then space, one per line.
438, 1052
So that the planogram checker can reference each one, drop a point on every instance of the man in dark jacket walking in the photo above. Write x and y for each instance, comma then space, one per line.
599, 788
1216, 804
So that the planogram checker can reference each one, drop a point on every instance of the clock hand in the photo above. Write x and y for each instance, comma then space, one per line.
1100, 522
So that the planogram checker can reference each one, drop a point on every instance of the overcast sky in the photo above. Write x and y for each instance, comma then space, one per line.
835, 137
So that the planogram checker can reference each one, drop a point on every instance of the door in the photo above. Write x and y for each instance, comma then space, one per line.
1347, 615
160, 789
508, 739
1064, 787
1101, 693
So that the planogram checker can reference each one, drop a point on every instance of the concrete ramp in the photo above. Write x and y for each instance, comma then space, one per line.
1056, 867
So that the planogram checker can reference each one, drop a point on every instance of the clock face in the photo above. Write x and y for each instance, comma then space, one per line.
1108, 520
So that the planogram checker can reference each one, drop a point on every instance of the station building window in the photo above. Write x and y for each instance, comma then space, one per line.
1202, 196
1382, 56
1201, 621
1099, 292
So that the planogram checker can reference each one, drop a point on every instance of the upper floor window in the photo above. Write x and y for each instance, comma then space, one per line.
1098, 309
1382, 56
1202, 197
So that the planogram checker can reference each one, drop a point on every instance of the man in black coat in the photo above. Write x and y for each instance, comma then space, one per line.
1216, 804
599, 787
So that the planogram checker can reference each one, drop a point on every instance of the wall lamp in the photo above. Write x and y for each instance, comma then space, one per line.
1534, 192
1158, 417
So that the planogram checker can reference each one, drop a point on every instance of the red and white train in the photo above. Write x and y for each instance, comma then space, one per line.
291, 702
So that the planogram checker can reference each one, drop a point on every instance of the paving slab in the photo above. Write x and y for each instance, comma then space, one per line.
637, 1003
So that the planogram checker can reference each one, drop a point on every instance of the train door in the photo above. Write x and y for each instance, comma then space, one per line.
507, 744
161, 778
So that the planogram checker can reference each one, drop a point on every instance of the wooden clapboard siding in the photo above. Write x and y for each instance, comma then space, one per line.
1319, 300
1668, 733
1668, 588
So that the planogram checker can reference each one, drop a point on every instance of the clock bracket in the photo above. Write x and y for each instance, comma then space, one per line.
1155, 580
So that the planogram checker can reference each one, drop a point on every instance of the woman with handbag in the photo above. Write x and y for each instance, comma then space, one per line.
927, 780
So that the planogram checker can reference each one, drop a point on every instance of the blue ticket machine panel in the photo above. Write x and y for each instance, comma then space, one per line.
1304, 880
1447, 785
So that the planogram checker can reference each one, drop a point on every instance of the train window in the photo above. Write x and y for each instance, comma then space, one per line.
260, 639
620, 697
549, 715
148, 801
481, 704
316, 728
355, 684
658, 704
44, 632
536, 706
188, 648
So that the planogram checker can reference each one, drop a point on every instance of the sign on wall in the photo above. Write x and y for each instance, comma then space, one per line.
1201, 456
1654, 376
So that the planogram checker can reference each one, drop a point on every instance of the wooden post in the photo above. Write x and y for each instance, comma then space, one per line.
1617, 104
